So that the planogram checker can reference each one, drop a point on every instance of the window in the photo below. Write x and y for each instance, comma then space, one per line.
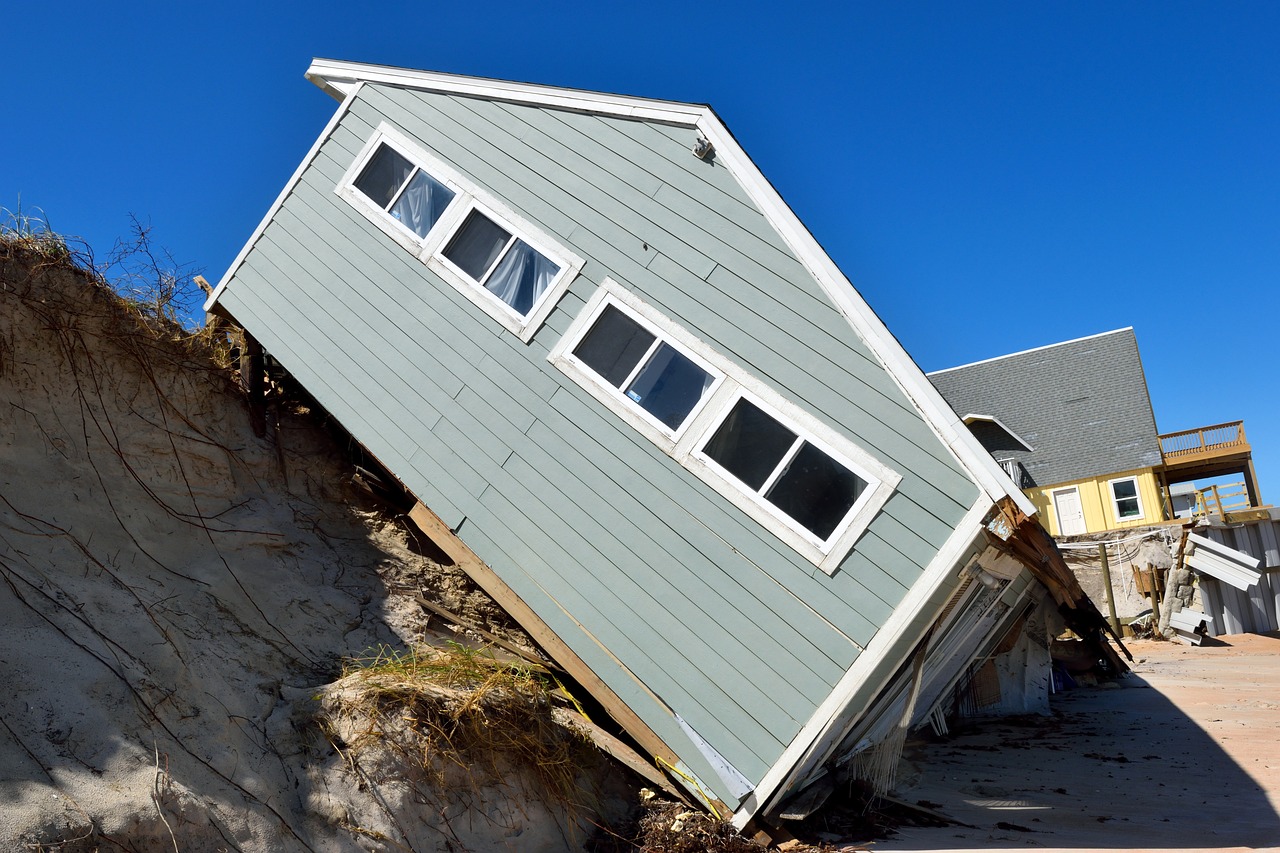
648, 371
1124, 494
805, 482
500, 262
791, 474
471, 240
411, 196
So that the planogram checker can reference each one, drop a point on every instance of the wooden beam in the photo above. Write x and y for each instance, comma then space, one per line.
611, 746
253, 376
555, 647
488, 636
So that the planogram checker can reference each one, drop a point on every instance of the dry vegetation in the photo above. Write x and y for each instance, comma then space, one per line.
455, 708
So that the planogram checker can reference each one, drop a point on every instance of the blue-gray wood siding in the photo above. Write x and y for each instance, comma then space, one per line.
585, 518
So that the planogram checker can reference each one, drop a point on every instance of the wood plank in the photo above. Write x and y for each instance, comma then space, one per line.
489, 637
435, 529
619, 751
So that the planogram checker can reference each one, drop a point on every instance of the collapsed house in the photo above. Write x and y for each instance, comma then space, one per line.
638, 403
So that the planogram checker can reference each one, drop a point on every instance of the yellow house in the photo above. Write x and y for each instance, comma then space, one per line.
1072, 425
1106, 502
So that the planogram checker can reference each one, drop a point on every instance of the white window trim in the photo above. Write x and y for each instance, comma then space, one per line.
664, 331
467, 197
826, 554
1115, 501
685, 445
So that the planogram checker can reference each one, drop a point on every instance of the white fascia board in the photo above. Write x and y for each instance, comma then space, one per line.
824, 731
284, 193
332, 74
937, 413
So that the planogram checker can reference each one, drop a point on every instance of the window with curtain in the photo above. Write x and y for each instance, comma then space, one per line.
500, 262
477, 245
407, 193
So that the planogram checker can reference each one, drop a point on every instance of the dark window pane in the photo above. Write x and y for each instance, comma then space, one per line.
521, 277
421, 203
1126, 494
476, 245
749, 444
816, 490
614, 346
669, 386
383, 175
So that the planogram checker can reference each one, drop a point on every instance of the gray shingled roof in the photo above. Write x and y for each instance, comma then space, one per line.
1083, 405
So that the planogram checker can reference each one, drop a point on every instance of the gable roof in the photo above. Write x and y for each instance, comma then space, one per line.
341, 80
1082, 404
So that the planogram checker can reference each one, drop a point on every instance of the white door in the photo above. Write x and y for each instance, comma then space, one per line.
1066, 503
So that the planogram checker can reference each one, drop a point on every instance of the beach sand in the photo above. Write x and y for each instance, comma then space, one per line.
1182, 754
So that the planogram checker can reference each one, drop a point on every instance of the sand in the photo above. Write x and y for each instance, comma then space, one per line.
176, 591
1184, 754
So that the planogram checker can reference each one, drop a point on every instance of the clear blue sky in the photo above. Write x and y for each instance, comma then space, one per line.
991, 176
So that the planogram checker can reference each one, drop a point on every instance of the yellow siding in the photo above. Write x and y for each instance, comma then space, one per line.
1097, 504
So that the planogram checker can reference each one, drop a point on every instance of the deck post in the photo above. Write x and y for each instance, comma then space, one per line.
1106, 588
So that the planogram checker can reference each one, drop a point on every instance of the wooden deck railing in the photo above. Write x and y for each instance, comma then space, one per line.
1220, 500
1204, 440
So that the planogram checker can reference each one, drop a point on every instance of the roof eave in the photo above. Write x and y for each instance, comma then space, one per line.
337, 77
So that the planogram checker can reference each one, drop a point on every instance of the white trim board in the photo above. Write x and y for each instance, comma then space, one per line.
336, 76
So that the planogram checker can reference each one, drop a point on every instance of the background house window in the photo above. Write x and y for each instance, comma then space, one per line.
411, 196
792, 474
1128, 503
650, 372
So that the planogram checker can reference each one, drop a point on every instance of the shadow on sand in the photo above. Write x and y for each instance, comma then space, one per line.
1116, 767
